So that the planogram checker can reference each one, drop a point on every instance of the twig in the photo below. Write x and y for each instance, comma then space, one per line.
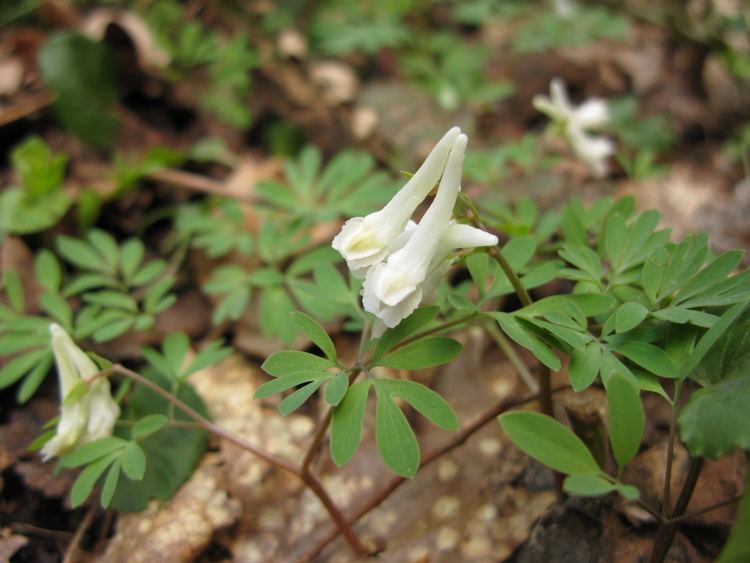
26, 107
396, 481
705, 509
666, 500
308, 478
196, 182
666, 531
73, 552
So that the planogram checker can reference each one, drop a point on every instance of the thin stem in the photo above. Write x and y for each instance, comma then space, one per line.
308, 478
395, 482
705, 509
74, 551
435, 330
666, 532
510, 353
321, 431
666, 502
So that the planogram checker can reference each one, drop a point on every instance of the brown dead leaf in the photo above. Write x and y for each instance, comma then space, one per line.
178, 530
9, 544
11, 75
14, 254
337, 82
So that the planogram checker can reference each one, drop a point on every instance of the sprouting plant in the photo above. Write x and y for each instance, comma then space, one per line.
39, 201
453, 72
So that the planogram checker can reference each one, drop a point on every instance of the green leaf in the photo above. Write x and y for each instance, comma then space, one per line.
176, 346
112, 299
519, 334
133, 461
172, 452
584, 366
110, 483
131, 256
292, 361
347, 421
678, 315
478, 266
14, 290
20, 365
714, 421
628, 492
629, 315
93, 451
274, 310
81, 74
316, 333
424, 400
626, 417
404, 329
712, 336
148, 425
432, 351
394, 436
294, 401
288, 381
87, 478
518, 251
336, 388
48, 270
648, 356
210, 354
34, 379
549, 442
80, 254
592, 485
737, 548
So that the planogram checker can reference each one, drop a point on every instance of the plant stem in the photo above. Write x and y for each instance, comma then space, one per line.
435, 330
666, 502
510, 353
705, 509
308, 478
667, 530
395, 482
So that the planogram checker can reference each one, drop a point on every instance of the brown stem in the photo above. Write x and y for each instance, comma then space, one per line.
396, 481
308, 478
666, 531
705, 509
74, 551
196, 183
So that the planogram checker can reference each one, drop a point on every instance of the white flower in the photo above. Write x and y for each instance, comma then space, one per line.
366, 241
577, 123
84, 417
395, 288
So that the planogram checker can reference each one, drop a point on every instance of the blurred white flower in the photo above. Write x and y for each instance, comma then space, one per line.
365, 241
395, 288
577, 122
86, 415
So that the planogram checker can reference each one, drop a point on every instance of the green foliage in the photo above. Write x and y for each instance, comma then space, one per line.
453, 72
218, 228
170, 453
347, 186
120, 288
714, 421
549, 442
424, 353
548, 30
737, 548
172, 360
80, 73
339, 27
39, 202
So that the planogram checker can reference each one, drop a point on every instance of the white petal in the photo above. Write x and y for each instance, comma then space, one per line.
593, 150
559, 96
592, 114
103, 411
466, 236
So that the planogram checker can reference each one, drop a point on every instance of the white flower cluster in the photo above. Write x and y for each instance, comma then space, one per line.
577, 124
401, 261
84, 417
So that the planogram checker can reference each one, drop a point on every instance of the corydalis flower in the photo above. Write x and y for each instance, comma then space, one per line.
394, 289
577, 122
366, 241
85, 416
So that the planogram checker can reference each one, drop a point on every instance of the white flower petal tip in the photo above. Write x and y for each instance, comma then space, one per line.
366, 241
85, 417
577, 122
